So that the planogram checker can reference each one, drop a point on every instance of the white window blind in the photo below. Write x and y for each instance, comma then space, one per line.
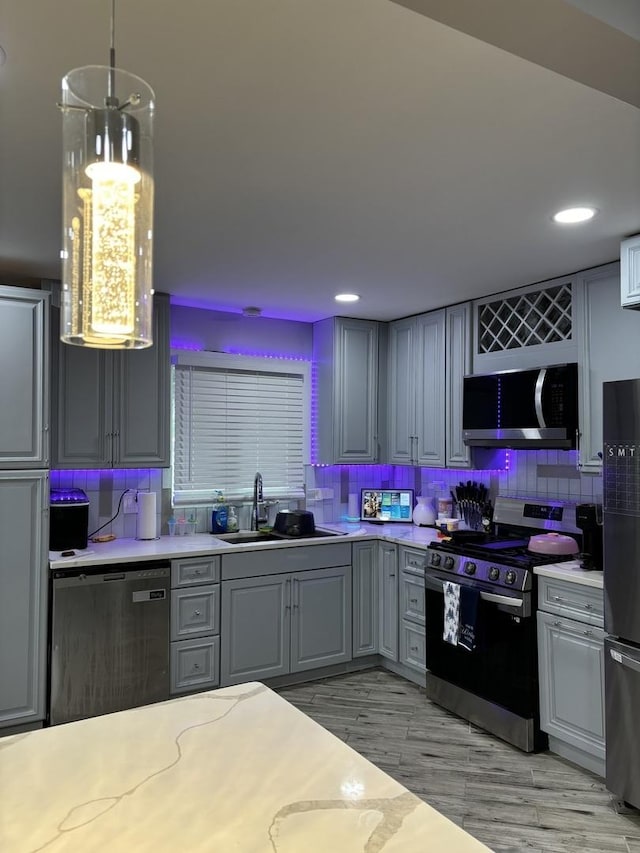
234, 416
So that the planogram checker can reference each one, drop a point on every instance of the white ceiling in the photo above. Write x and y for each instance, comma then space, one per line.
305, 147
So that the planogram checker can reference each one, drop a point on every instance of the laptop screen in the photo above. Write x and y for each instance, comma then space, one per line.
386, 504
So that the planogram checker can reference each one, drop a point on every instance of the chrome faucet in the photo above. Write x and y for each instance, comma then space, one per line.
259, 509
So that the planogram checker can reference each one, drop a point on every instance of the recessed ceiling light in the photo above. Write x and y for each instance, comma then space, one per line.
572, 215
346, 297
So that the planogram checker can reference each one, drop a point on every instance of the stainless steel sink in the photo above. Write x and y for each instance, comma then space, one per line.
245, 537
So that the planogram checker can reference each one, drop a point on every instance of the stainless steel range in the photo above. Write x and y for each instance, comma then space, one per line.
494, 685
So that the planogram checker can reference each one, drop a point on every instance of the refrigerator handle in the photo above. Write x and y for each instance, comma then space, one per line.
624, 660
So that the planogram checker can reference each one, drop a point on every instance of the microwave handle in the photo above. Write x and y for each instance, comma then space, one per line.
542, 375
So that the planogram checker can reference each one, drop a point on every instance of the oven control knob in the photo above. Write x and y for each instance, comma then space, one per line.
470, 568
510, 577
435, 559
449, 562
494, 574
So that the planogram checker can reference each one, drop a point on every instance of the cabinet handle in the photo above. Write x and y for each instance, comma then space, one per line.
588, 633
557, 598
196, 612
392, 574
288, 583
413, 648
588, 607
116, 457
196, 666
197, 572
296, 593
413, 600
557, 624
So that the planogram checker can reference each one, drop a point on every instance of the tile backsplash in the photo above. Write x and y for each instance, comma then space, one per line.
539, 473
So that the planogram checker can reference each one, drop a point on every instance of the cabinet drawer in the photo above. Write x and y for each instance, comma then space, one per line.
412, 559
277, 561
195, 664
564, 598
195, 611
412, 646
412, 596
195, 570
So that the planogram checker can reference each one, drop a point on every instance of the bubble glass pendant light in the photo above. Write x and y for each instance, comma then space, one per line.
107, 212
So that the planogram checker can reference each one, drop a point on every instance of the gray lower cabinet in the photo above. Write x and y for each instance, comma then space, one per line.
411, 611
365, 598
112, 409
345, 353
571, 672
195, 624
279, 624
24, 352
24, 534
388, 606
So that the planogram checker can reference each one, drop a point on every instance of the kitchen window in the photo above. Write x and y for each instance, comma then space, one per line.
234, 415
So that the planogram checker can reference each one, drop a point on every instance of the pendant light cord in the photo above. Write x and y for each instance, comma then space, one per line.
112, 55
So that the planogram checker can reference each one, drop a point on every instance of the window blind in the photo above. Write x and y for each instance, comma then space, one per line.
229, 423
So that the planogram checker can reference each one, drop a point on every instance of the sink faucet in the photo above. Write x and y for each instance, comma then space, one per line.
259, 510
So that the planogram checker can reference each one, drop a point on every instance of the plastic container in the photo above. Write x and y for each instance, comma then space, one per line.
232, 520
171, 524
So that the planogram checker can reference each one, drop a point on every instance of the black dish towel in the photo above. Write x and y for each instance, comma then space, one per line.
467, 637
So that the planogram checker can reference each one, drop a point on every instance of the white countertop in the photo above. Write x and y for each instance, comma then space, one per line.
570, 571
237, 769
200, 544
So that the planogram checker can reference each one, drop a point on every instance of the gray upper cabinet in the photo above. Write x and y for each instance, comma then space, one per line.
345, 353
112, 409
415, 408
24, 350
608, 350
630, 272
23, 595
428, 357
532, 326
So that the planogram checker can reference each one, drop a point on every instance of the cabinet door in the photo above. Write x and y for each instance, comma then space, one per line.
571, 665
413, 651
320, 618
388, 580
630, 272
429, 370
24, 534
24, 343
255, 628
365, 598
81, 405
401, 404
458, 365
195, 664
142, 398
355, 391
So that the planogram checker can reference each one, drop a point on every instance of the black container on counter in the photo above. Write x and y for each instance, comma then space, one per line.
68, 519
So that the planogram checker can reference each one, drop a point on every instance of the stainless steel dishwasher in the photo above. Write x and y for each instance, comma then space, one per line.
109, 645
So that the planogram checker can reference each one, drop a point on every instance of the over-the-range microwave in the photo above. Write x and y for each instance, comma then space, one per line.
522, 408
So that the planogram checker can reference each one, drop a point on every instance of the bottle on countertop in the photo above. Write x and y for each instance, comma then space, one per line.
219, 515
232, 520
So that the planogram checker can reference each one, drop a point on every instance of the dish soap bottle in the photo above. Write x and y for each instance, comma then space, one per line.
232, 520
219, 515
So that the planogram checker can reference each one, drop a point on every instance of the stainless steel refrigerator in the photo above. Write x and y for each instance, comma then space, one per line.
621, 503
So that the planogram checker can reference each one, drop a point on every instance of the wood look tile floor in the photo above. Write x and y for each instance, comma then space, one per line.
508, 799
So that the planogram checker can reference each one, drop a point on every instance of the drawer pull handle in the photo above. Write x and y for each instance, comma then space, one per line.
197, 571
196, 666
557, 624
557, 598
588, 607
413, 648
196, 612
588, 633
413, 600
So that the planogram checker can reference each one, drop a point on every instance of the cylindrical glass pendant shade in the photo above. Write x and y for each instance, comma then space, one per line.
107, 209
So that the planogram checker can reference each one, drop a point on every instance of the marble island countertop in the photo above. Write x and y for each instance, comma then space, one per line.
200, 544
232, 769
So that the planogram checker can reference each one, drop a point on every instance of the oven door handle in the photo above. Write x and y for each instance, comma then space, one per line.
437, 585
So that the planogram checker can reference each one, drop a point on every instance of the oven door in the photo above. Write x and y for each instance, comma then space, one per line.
502, 669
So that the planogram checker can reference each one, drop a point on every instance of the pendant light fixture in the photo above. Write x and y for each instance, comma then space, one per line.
107, 207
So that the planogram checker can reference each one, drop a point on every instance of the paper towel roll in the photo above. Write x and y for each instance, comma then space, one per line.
147, 525
354, 510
